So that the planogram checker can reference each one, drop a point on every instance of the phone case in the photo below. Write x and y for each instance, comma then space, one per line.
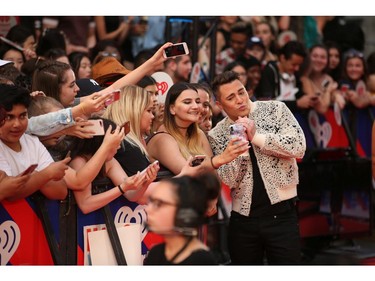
176, 50
126, 127
98, 127
114, 97
29, 170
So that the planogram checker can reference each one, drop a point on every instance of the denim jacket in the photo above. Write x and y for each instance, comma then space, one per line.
47, 124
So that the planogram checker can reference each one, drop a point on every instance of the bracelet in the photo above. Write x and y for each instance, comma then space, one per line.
119, 187
212, 163
82, 108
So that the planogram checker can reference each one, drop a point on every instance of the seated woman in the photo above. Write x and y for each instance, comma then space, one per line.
131, 187
176, 210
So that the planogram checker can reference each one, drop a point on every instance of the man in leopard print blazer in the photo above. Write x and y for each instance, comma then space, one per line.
263, 224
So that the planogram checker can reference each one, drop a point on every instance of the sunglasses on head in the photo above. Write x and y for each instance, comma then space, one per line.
354, 54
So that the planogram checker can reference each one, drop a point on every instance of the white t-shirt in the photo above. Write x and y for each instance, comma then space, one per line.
32, 152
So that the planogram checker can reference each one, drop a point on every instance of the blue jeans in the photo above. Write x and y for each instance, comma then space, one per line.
276, 238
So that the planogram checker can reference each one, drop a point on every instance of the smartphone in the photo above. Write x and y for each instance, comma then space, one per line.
115, 96
238, 130
198, 159
126, 127
97, 127
175, 50
29, 170
325, 83
153, 163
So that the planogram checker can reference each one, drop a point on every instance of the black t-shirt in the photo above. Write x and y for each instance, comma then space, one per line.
156, 256
260, 203
131, 158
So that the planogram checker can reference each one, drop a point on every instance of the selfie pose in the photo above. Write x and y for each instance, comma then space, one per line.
263, 222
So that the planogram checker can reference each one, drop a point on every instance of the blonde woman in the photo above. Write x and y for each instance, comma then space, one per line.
135, 105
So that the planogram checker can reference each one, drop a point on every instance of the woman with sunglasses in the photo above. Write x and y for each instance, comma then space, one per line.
353, 81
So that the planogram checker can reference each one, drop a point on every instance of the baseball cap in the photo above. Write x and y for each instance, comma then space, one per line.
108, 70
4, 62
87, 86
255, 41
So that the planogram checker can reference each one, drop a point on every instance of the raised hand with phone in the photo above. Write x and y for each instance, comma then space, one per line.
176, 50
93, 103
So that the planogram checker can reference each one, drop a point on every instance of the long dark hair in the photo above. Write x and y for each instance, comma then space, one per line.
86, 148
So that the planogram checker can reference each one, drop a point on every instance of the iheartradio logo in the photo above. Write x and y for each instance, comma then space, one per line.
126, 215
163, 83
162, 87
10, 238
322, 132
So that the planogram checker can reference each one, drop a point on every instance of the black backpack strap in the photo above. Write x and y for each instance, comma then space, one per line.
68, 229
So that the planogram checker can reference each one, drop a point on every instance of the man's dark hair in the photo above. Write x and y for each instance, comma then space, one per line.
143, 56
221, 79
146, 81
293, 48
242, 27
11, 95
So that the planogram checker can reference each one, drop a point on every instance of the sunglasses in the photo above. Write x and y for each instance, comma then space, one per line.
354, 54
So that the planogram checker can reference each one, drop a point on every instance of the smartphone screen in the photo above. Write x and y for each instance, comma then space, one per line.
196, 162
198, 159
176, 50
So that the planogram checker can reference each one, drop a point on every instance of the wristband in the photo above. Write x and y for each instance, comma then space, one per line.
212, 163
119, 187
